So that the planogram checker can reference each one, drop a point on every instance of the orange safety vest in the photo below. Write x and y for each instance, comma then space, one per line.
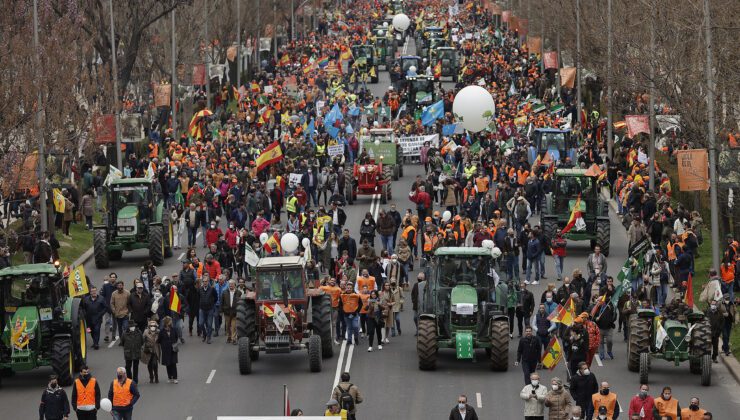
363, 298
671, 248
521, 176
687, 414
362, 282
405, 235
609, 401
85, 394
727, 271
482, 184
350, 302
122, 395
467, 192
667, 408
430, 242
334, 292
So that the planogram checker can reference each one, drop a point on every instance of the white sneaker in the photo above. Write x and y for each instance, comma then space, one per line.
526, 281
387, 341
535, 282
336, 342
369, 349
174, 381
380, 347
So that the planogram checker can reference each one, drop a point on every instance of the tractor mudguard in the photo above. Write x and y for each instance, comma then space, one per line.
428, 316
499, 317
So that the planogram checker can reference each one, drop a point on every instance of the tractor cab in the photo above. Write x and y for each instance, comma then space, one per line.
558, 143
41, 324
447, 57
279, 282
407, 61
129, 201
383, 47
421, 91
434, 44
364, 52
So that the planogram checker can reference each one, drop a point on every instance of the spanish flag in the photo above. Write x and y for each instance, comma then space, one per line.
284, 60
575, 214
272, 154
175, 304
553, 354
598, 305
346, 55
438, 70
273, 244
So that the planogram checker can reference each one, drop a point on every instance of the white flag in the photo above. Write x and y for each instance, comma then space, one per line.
279, 318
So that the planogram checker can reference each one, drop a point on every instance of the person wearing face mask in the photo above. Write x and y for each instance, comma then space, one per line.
463, 411
150, 351
642, 404
576, 413
213, 233
534, 396
95, 308
140, 303
132, 342
85, 395
207, 301
666, 405
528, 353
123, 393
583, 385
558, 401
542, 326
716, 315
607, 403
54, 402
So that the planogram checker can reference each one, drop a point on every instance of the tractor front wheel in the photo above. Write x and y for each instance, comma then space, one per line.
314, 353
706, 370
349, 194
499, 345
61, 360
156, 245
246, 323
549, 225
644, 367
603, 233
639, 342
245, 361
321, 322
384, 194
426, 344
101, 254
79, 334
701, 344
168, 234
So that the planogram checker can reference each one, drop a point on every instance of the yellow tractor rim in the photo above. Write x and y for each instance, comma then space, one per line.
83, 338
71, 365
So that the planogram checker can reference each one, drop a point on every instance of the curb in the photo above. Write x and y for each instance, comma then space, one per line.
732, 365
84, 257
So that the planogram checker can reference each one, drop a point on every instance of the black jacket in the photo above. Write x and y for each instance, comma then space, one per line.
140, 306
470, 413
529, 350
582, 388
208, 298
350, 245
94, 309
54, 404
527, 302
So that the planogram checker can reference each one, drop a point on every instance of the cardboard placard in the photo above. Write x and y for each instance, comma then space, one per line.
693, 170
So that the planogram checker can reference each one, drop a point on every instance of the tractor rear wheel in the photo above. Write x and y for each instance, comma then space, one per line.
61, 360
701, 344
603, 232
314, 353
156, 245
78, 332
426, 344
245, 361
706, 370
321, 323
168, 234
246, 324
384, 194
639, 342
644, 367
499, 345
348, 195
549, 225
101, 254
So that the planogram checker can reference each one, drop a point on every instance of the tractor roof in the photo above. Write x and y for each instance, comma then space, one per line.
416, 57
462, 251
381, 131
26, 269
277, 262
131, 181
571, 172
446, 48
551, 130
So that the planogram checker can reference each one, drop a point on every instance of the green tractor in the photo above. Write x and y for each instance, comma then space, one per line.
463, 309
688, 338
384, 48
136, 218
557, 207
41, 324
450, 64
382, 144
365, 56
421, 92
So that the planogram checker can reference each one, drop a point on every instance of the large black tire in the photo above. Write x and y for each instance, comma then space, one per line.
499, 345
167, 231
426, 344
79, 334
156, 244
706, 370
321, 323
62, 360
396, 172
101, 254
349, 194
246, 324
549, 225
245, 361
700, 344
384, 194
314, 353
603, 233
644, 367
639, 341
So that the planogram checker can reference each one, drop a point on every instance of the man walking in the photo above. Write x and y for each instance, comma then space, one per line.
95, 308
119, 307
208, 298
229, 299
528, 353
86, 395
123, 393
463, 411
54, 402
534, 395
348, 396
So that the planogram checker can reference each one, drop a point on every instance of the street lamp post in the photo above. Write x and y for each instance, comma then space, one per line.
205, 59
238, 43
578, 63
609, 127
37, 126
711, 140
116, 99
651, 111
174, 78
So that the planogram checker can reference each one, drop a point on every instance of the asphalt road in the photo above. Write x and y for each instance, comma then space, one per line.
392, 386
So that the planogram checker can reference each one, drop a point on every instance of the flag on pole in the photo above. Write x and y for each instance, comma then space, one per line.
553, 354
689, 298
272, 154
432, 113
113, 174
178, 195
286, 400
576, 218
273, 244
198, 122
175, 304
554, 315
59, 201
77, 282
438, 70
598, 305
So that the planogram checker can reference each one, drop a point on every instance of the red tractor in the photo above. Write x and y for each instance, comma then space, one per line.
369, 179
282, 314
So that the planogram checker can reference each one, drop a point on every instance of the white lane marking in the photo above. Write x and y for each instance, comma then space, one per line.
377, 208
112, 343
349, 357
189, 418
181, 257
598, 360
405, 46
197, 235
478, 400
210, 377
339, 367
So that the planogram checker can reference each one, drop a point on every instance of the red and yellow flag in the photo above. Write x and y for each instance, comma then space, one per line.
272, 154
575, 214
553, 354
175, 304
273, 244
284, 60
438, 70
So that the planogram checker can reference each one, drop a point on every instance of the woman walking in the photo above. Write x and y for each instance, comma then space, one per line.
367, 229
169, 347
374, 320
386, 306
151, 353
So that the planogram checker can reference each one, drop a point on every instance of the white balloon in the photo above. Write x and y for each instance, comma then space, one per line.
385, 24
289, 242
306, 243
106, 405
380, 32
377, 142
401, 22
412, 69
446, 216
487, 243
495, 252
263, 237
475, 106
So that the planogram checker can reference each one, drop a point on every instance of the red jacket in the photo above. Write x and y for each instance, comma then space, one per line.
422, 197
212, 235
230, 237
558, 246
646, 405
213, 269
260, 225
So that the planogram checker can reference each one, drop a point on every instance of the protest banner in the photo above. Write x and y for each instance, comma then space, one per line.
693, 170
637, 124
335, 150
411, 145
162, 95
551, 59
294, 179
534, 43
199, 74
104, 128
568, 77
132, 128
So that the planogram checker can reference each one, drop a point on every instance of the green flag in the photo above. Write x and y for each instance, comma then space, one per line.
178, 196
475, 147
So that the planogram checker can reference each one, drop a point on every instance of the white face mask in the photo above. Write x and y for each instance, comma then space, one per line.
555, 387
535, 382
152, 328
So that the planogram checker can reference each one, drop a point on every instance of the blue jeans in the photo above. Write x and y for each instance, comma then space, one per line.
542, 264
397, 322
512, 266
662, 292
313, 196
122, 324
353, 328
340, 325
387, 243
559, 262
205, 321
536, 263
729, 289
192, 234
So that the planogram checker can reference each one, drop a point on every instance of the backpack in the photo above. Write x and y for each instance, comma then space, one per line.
345, 398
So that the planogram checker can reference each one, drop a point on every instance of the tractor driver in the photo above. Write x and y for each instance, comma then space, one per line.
449, 271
